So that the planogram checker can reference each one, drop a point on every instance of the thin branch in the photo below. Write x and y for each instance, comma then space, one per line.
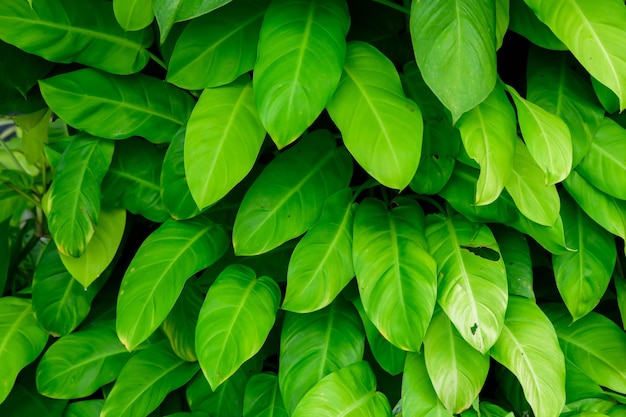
23, 194
395, 6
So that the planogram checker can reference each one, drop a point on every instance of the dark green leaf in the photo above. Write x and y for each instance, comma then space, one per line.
24, 400
87, 408
517, 261
525, 22
168, 12
180, 324
262, 397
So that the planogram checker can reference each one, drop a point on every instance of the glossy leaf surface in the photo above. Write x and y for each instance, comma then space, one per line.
525, 22
168, 12
133, 14
262, 397
418, 394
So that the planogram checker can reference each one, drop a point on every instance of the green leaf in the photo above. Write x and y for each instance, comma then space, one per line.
529, 348
592, 32
301, 52
384, 134
604, 165
418, 395
215, 49
457, 370
145, 380
24, 400
76, 365
517, 261
392, 266
547, 137
72, 204
492, 410
168, 12
5, 247
74, 31
156, 275
607, 97
86, 408
350, 390
525, 22
620, 289
34, 128
315, 344
280, 207
321, 264
235, 319
224, 136
21, 340
502, 21
449, 37
118, 107
489, 134
133, 14
180, 324
472, 287
594, 344
262, 397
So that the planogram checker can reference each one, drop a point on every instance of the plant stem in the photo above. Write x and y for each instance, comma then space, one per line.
394, 6
367, 184
157, 60
431, 201
23, 194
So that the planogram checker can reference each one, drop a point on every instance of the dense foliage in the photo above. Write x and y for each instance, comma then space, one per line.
312, 208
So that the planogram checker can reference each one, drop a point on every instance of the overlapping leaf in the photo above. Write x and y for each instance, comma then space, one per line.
381, 127
133, 14
515, 253
262, 397
180, 324
86, 408
168, 12
525, 22
418, 395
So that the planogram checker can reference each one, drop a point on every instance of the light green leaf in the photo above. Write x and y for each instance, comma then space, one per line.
592, 31
472, 286
21, 340
262, 397
502, 21
525, 22
76, 365
280, 207
224, 136
72, 204
133, 14
180, 324
315, 344
235, 319
301, 52
604, 166
215, 49
381, 127
74, 31
156, 276
547, 137
457, 370
321, 264
517, 261
418, 395
397, 277
168, 12
145, 380
529, 348
86, 408
118, 107
34, 128
450, 36
348, 391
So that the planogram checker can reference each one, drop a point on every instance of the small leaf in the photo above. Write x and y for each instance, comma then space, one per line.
180, 324
133, 14
525, 22
517, 261
235, 319
86, 408
168, 12
418, 395
262, 397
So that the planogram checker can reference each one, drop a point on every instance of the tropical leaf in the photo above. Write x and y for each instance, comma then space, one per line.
529, 348
488, 409
489, 136
74, 31
620, 290
262, 397
350, 390
168, 12
133, 14
145, 380
301, 52
72, 204
592, 32
215, 49
472, 287
321, 264
502, 21
380, 126
279, 207
118, 107
180, 324
517, 260
450, 36
315, 344
525, 22
21, 340
418, 395
86, 408
224, 136
77, 364
607, 97
24, 400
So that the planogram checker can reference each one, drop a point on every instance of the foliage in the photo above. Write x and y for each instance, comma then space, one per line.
312, 208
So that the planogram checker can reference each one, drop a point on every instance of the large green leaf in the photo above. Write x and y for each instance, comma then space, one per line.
455, 47
381, 127
133, 14
262, 397
74, 31
472, 287
301, 52
117, 107
76, 365
348, 391
604, 166
215, 49
489, 136
529, 348
321, 264
145, 380
224, 136
21, 340
525, 22
72, 204
592, 30
397, 277
180, 324
418, 394
315, 344
156, 276
168, 12
279, 207
235, 319
457, 370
